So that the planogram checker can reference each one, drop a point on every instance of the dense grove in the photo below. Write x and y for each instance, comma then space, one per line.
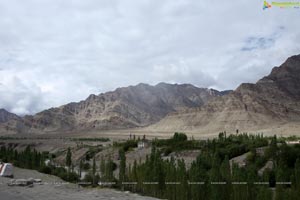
211, 175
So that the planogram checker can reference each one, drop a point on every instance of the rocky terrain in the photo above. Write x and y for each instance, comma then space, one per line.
270, 104
5, 116
128, 107
53, 188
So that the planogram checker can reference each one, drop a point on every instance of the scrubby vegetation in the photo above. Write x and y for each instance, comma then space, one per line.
91, 139
126, 146
93, 150
12, 138
178, 142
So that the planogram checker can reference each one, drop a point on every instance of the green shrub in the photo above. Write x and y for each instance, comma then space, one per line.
46, 170
86, 166
179, 137
167, 151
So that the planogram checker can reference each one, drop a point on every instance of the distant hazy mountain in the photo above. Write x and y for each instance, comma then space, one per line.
272, 102
6, 116
133, 106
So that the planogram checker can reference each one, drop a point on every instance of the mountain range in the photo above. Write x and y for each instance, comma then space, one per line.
127, 107
274, 101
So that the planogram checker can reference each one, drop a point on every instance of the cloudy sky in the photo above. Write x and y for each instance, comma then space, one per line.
56, 51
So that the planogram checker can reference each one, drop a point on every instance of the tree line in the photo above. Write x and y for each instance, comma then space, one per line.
210, 176
32, 159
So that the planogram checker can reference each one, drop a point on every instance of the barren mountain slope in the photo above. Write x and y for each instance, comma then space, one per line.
273, 101
6, 116
127, 107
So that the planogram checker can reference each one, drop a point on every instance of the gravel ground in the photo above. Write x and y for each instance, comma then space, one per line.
189, 156
240, 160
53, 188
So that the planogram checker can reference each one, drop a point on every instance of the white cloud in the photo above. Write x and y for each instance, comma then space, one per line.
19, 97
53, 52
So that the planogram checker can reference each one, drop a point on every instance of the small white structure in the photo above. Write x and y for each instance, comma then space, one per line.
143, 144
47, 162
6, 169
293, 142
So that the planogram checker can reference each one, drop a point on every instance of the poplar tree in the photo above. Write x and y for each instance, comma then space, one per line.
102, 169
226, 176
94, 171
69, 159
297, 176
80, 167
109, 170
122, 169
215, 176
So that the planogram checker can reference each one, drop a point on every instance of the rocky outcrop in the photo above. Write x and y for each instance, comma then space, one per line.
272, 101
5, 116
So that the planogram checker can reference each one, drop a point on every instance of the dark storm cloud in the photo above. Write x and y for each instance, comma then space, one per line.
53, 52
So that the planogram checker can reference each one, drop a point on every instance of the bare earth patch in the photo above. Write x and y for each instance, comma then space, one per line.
54, 188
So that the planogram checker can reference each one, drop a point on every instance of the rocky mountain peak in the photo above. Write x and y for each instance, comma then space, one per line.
6, 116
126, 107
273, 102
286, 76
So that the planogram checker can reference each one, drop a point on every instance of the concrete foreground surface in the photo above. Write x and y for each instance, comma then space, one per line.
54, 189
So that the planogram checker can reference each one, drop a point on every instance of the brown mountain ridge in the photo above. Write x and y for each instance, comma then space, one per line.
5, 116
271, 103
127, 107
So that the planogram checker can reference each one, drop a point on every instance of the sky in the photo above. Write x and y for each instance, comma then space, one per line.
53, 52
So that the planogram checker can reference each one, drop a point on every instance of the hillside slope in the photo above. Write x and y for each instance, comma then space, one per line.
5, 116
128, 107
272, 102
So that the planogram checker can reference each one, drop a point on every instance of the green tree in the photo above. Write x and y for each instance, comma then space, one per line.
122, 169
239, 191
69, 158
297, 177
109, 170
264, 193
80, 167
102, 169
179, 137
215, 177
226, 176
272, 150
183, 188
94, 171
